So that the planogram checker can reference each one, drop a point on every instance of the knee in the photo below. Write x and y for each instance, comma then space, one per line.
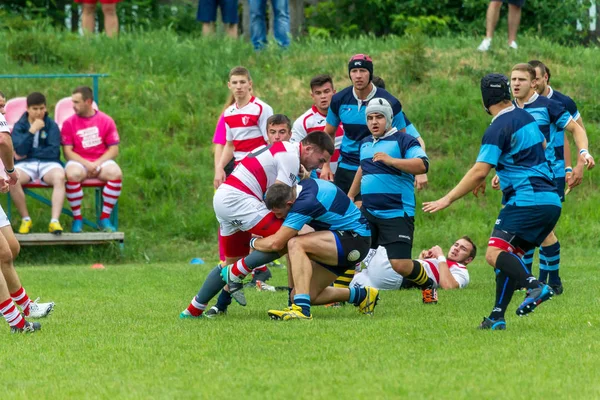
89, 9
295, 244
15, 248
75, 174
109, 10
491, 255
6, 255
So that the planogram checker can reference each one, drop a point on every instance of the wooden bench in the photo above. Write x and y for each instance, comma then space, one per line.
35, 239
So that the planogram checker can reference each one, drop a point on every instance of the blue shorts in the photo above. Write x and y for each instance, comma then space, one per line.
526, 227
518, 3
207, 11
560, 186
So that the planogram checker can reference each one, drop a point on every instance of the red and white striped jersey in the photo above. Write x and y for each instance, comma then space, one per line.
246, 127
312, 120
458, 271
4, 125
260, 169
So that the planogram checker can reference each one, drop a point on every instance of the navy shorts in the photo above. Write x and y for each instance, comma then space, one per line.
518, 3
395, 234
525, 227
560, 186
352, 249
343, 179
207, 11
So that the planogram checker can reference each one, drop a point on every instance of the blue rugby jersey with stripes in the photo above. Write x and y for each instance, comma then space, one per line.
323, 206
569, 104
386, 191
346, 108
513, 144
552, 118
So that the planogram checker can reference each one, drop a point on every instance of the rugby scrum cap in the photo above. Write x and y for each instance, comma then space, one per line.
383, 107
361, 61
494, 89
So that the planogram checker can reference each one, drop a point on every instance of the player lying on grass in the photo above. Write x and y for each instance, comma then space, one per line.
448, 272
514, 145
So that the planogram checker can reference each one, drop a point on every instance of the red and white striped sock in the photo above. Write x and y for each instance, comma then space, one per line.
74, 196
196, 309
262, 268
11, 314
110, 195
239, 269
20, 297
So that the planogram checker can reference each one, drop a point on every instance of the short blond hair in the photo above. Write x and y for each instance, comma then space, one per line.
525, 67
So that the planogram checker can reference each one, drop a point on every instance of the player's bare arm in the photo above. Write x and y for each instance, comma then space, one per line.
413, 166
6, 155
275, 243
446, 280
226, 156
355, 187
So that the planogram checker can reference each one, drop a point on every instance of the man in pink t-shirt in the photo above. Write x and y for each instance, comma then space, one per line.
91, 143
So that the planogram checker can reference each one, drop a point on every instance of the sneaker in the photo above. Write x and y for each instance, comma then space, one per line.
534, 298
106, 226
235, 285
25, 226
493, 324
40, 310
262, 276
55, 227
77, 226
288, 313
185, 314
430, 296
513, 45
485, 44
367, 306
557, 288
214, 312
29, 327
264, 287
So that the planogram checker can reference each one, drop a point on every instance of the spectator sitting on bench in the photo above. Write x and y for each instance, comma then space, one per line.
36, 140
91, 143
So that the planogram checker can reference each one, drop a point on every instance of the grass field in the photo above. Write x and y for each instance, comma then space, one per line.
115, 333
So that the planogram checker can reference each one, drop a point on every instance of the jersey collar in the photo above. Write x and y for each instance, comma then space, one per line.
504, 111
387, 134
550, 93
365, 101
316, 111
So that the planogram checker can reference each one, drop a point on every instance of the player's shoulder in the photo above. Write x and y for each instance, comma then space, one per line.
343, 96
455, 264
567, 101
394, 102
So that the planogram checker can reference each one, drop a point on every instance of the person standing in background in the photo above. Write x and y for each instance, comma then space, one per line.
491, 20
258, 23
207, 14
88, 16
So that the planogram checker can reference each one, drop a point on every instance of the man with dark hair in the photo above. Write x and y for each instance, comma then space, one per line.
532, 205
341, 239
91, 143
36, 140
491, 20
241, 212
448, 272
279, 128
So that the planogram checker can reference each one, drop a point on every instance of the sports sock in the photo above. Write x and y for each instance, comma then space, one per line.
528, 259
11, 314
357, 295
513, 267
20, 297
505, 288
27, 218
74, 197
343, 281
419, 276
262, 268
211, 286
224, 300
290, 302
241, 268
110, 196
550, 261
303, 301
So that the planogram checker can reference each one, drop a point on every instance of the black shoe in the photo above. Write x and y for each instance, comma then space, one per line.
493, 324
29, 327
214, 312
262, 276
557, 287
236, 286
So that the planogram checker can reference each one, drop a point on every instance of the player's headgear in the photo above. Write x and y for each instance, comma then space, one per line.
494, 89
361, 61
383, 107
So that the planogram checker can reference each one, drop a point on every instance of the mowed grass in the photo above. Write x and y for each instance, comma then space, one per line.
115, 333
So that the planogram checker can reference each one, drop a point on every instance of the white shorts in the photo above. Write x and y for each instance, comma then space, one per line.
379, 273
37, 169
237, 211
104, 164
3, 218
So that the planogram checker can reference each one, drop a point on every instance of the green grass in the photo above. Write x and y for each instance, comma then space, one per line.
166, 93
115, 333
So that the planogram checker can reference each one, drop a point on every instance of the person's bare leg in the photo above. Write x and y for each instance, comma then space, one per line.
88, 18
514, 20
56, 179
18, 195
491, 18
231, 30
208, 28
111, 20
9, 249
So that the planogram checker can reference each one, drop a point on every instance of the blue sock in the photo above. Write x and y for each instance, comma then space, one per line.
224, 300
290, 302
550, 261
357, 295
528, 259
303, 301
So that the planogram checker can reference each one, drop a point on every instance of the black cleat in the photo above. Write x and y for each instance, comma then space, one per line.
493, 324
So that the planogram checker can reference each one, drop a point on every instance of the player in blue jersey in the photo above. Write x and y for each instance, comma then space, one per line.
513, 145
553, 119
341, 239
389, 160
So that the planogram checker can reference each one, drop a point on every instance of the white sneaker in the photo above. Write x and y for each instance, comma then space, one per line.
513, 45
40, 310
485, 44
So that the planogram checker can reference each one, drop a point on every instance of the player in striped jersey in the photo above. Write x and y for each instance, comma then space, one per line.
448, 272
245, 122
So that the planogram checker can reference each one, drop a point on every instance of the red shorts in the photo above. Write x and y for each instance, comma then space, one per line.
96, 1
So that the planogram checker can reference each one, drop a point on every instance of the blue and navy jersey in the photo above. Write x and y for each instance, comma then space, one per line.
514, 145
347, 109
323, 206
569, 104
551, 117
410, 128
386, 191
